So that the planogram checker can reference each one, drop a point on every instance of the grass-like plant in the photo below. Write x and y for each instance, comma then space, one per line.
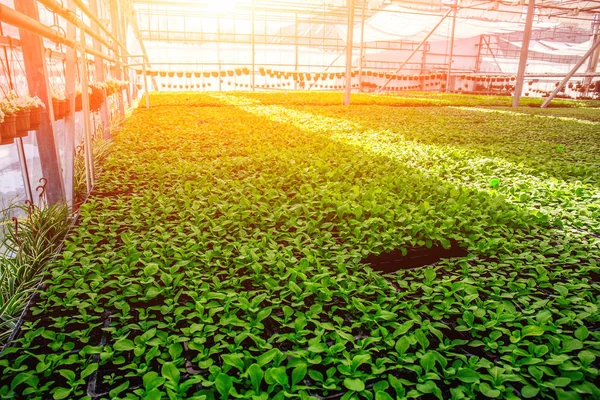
29, 244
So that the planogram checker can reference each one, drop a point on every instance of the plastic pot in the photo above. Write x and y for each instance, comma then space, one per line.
35, 118
9, 129
22, 123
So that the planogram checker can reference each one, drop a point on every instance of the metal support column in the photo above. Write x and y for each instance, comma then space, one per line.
593, 63
146, 94
24, 169
451, 52
362, 45
524, 53
87, 135
37, 82
69, 139
297, 54
252, 83
99, 71
349, 46
116, 25
562, 84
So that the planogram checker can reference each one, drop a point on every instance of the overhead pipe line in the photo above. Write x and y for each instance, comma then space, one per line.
70, 16
22, 21
84, 8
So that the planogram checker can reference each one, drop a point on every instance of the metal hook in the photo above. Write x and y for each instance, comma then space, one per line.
42, 187
29, 205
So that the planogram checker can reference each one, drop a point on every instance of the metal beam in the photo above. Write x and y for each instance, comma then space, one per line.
38, 85
362, 45
69, 137
252, 72
138, 36
116, 25
455, 9
99, 71
70, 16
349, 46
593, 60
417, 49
562, 84
524, 53
24, 22
84, 8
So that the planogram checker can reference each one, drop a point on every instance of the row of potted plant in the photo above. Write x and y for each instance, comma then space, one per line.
19, 114
98, 92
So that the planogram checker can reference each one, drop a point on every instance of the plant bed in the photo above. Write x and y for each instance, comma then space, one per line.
230, 254
413, 257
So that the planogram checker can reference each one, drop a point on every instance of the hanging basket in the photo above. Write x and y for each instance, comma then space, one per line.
9, 129
58, 109
22, 123
35, 118
63, 106
78, 103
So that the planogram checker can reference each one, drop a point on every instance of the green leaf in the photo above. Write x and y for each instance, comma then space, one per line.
115, 392
318, 348
427, 361
90, 369
561, 381
234, 360
467, 375
586, 357
487, 391
279, 375
529, 391
569, 345
20, 378
170, 372
267, 357
354, 384
152, 380
582, 333
405, 327
360, 359
298, 373
151, 269
383, 396
124, 345
61, 393
402, 344
224, 383
532, 330
256, 375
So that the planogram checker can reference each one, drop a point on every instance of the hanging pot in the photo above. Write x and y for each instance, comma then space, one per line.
35, 118
63, 106
9, 129
22, 123
78, 103
56, 109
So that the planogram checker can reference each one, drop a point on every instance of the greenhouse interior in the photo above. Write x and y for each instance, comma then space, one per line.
284, 199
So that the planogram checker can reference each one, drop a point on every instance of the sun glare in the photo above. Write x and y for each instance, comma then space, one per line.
221, 6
